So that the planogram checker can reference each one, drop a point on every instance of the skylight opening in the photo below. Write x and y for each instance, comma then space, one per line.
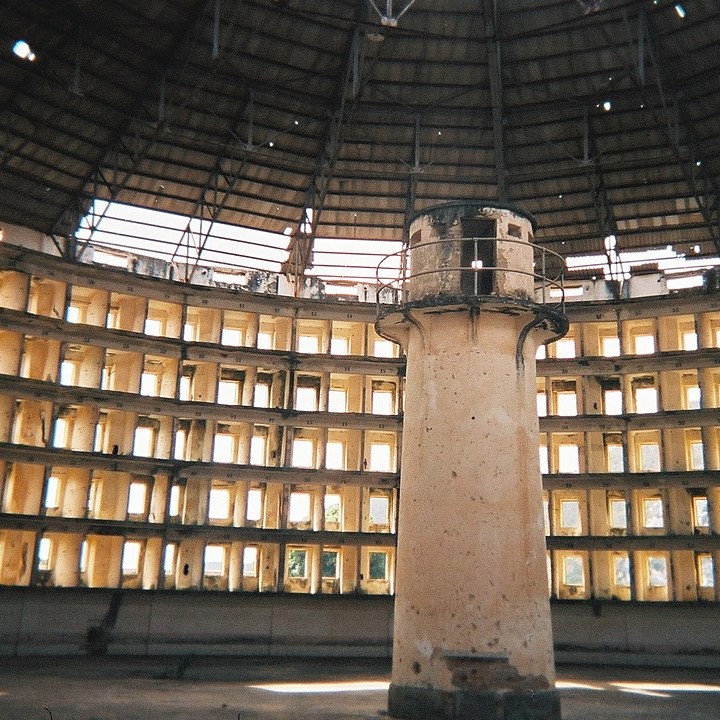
167, 236
116, 232
619, 265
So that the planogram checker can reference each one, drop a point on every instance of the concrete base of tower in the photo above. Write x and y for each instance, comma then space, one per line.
415, 703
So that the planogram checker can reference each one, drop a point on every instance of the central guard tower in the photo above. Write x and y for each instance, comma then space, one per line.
472, 635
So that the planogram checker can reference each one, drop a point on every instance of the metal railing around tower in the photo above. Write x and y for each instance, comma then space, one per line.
458, 278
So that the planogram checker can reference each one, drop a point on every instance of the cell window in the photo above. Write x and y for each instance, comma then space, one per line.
299, 510
610, 346
649, 457
705, 571
219, 504
697, 456
383, 402
541, 352
383, 348
612, 400
693, 397
61, 434
701, 512
258, 450
149, 384
214, 560
232, 337
544, 459
541, 404
144, 442
169, 560
380, 457
335, 455
308, 343
573, 571
185, 389
107, 378
174, 504
68, 372
254, 505
228, 392
44, 553
378, 566
225, 448
566, 403
99, 437
265, 341
330, 564
180, 445
689, 341
618, 513
621, 570
82, 560
653, 516
657, 572
303, 453
570, 515
250, 561
644, 344
297, 563
113, 318
615, 458
548, 572
339, 346
154, 326
332, 508
306, 398
337, 400
379, 510
137, 498
262, 395
131, 557
190, 332
565, 348
568, 458
73, 314
646, 400
52, 493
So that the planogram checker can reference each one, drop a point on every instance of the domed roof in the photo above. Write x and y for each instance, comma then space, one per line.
341, 118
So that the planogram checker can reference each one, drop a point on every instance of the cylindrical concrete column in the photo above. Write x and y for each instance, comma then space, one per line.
472, 635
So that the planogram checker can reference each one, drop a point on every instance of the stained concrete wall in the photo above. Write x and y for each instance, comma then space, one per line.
59, 621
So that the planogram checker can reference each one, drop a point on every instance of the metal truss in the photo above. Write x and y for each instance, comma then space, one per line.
67, 222
347, 94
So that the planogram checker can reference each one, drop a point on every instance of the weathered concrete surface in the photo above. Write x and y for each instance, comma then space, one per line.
472, 633
471, 574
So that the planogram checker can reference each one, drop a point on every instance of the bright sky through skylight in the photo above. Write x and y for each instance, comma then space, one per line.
667, 259
155, 233
159, 234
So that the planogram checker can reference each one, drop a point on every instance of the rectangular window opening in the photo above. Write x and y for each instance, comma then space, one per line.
297, 563
214, 560
378, 565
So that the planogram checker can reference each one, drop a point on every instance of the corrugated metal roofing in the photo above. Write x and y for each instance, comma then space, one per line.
249, 111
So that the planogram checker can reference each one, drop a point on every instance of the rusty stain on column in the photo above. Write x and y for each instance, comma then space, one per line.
472, 634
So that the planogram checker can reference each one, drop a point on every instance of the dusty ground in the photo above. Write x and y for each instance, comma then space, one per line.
251, 689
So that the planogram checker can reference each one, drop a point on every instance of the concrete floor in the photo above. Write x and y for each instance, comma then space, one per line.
337, 689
